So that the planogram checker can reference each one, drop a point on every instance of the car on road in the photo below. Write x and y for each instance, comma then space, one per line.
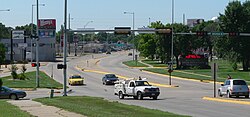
234, 87
109, 79
8, 93
76, 80
130, 54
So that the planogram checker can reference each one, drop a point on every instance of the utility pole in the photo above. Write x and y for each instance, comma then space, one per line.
65, 51
37, 46
69, 35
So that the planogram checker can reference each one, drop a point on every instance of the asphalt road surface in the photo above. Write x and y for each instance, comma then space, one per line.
185, 99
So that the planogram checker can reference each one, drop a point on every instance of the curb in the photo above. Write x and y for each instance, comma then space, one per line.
182, 78
227, 100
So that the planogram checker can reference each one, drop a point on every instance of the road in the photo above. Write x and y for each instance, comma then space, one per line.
185, 99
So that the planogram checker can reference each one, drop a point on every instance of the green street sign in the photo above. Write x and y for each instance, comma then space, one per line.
217, 33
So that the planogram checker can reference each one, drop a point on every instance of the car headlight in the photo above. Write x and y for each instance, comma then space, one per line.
107, 80
157, 90
146, 90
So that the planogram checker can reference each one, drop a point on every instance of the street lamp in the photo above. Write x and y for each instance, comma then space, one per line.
172, 41
32, 26
64, 51
133, 14
87, 23
5, 10
69, 34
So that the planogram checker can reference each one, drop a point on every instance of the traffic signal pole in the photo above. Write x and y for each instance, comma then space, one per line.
37, 46
65, 50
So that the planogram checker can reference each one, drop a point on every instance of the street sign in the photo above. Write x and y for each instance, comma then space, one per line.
18, 34
217, 33
146, 30
86, 31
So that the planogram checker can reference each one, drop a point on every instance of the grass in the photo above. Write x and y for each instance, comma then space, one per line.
98, 107
154, 63
9, 110
224, 68
134, 64
45, 81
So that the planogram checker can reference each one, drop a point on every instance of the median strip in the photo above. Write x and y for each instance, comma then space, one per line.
227, 100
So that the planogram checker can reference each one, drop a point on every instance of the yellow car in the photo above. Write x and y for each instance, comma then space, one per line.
76, 80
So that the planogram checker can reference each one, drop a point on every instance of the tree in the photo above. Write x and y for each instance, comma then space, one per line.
2, 53
236, 19
4, 31
1, 82
147, 45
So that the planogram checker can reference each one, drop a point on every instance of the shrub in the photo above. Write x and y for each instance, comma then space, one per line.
234, 66
13, 70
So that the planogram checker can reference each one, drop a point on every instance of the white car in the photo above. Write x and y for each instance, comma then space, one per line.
234, 87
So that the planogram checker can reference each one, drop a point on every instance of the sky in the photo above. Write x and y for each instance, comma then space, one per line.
107, 14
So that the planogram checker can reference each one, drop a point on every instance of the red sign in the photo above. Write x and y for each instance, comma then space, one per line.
190, 56
47, 24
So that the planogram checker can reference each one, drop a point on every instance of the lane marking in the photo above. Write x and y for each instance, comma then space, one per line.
124, 77
182, 78
227, 100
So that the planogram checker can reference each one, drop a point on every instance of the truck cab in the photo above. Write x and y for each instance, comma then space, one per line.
136, 88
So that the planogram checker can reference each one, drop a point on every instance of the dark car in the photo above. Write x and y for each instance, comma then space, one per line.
130, 54
8, 93
109, 79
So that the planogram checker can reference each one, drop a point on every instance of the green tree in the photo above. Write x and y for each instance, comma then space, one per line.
147, 45
4, 31
1, 82
2, 53
236, 19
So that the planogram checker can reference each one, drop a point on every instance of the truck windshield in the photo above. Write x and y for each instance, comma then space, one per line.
142, 83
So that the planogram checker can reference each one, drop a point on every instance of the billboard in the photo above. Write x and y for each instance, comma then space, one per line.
47, 24
47, 33
17, 34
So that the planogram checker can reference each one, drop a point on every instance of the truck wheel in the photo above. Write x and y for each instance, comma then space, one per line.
121, 96
219, 93
228, 94
155, 98
140, 96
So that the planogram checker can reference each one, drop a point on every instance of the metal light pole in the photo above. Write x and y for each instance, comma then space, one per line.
37, 46
69, 35
31, 40
172, 41
65, 50
133, 14
87, 23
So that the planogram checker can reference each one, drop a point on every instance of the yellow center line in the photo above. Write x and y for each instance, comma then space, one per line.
124, 77
227, 100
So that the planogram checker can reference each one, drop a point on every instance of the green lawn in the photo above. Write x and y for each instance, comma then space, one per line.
98, 107
134, 64
154, 63
45, 81
224, 68
9, 110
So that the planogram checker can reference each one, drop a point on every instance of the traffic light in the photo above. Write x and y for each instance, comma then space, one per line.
34, 64
233, 34
166, 31
61, 66
122, 30
201, 33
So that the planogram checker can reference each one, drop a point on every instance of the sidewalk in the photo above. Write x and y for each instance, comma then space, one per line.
39, 110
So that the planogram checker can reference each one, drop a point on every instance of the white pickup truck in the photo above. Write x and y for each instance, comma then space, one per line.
137, 88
